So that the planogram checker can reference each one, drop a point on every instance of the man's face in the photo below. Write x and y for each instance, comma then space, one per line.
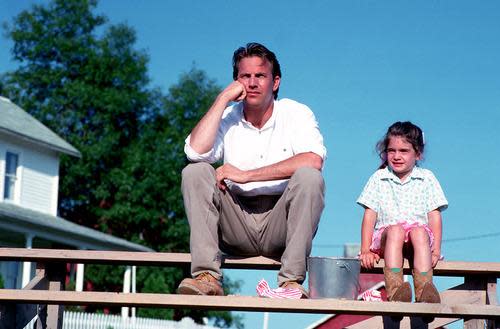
256, 75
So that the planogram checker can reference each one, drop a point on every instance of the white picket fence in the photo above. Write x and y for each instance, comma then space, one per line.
78, 320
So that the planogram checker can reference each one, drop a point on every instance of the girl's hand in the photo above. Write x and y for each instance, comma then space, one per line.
368, 259
435, 258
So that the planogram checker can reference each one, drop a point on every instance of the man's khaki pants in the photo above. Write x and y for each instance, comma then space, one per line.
274, 226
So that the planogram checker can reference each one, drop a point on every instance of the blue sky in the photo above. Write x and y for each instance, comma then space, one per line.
360, 66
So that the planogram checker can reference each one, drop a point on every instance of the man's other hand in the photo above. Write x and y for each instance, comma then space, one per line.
228, 171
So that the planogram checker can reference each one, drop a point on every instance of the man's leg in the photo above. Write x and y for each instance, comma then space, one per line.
215, 218
201, 204
293, 223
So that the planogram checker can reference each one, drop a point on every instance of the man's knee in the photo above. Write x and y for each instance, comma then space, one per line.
196, 170
197, 175
308, 177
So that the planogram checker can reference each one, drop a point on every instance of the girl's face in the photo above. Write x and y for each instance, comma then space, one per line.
401, 156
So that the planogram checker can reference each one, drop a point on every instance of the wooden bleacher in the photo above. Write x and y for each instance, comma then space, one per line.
475, 300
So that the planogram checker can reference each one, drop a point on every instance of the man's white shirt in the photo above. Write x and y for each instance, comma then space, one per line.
292, 129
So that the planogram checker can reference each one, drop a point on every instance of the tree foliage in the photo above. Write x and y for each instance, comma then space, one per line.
91, 91
87, 82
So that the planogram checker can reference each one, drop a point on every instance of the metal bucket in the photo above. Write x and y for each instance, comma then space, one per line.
333, 277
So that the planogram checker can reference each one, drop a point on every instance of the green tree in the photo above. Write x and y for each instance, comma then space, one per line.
89, 90
93, 90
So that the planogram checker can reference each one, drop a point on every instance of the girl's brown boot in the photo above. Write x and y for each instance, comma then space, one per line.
397, 290
425, 291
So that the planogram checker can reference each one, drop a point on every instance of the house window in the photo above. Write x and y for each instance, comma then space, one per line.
11, 163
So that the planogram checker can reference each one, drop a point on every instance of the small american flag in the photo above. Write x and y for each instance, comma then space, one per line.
263, 290
371, 295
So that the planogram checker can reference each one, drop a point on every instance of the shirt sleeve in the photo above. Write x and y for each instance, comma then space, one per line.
435, 194
307, 136
217, 152
192, 155
369, 197
213, 155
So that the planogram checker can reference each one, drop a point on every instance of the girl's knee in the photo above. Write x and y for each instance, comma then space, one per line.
395, 231
394, 235
419, 235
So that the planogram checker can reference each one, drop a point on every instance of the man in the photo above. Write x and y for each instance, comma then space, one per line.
267, 197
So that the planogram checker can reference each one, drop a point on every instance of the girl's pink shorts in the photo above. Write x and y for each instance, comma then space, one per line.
377, 235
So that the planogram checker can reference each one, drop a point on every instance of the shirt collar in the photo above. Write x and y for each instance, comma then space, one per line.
269, 124
416, 173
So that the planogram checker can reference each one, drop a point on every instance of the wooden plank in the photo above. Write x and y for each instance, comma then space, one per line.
444, 268
455, 295
246, 303
491, 292
377, 322
466, 293
451, 268
54, 273
55, 311
128, 258
475, 283
39, 282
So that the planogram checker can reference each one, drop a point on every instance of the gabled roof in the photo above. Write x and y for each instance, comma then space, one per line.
18, 220
17, 122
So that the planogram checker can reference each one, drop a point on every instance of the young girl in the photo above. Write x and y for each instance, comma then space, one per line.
403, 205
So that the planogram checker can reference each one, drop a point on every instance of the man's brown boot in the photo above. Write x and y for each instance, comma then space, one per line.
397, 290
295, 285
203, 284
425, 291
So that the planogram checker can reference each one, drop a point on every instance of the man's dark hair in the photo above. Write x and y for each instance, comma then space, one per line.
256, 49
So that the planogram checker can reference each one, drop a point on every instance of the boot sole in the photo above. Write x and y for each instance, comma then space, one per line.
187, 289
402, 294
430, 294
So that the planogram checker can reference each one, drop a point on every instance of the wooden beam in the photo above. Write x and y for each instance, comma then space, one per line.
39, 282
443, 268
451, 268
455, 295
379, 322
246, 303
128, 258
491, 291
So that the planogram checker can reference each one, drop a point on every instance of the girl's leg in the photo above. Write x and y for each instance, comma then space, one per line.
422, 260
425, 291
392, 245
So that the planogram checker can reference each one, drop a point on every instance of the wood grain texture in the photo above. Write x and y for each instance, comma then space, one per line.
246, 303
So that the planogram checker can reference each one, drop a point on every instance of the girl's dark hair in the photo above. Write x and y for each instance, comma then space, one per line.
256, 49
412, 133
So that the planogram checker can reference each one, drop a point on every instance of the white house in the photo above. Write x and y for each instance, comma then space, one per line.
29, 180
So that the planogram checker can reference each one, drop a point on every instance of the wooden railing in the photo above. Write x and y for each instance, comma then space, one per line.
475, 300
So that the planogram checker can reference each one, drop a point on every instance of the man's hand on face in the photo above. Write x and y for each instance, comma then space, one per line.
234, 92
230, 172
